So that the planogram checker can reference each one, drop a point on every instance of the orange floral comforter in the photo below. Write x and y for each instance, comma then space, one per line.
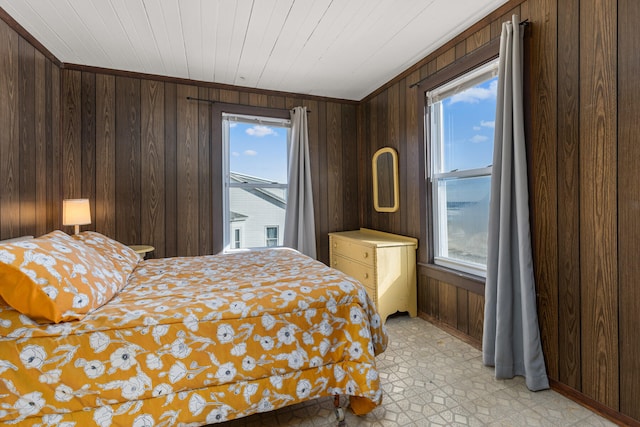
194, 341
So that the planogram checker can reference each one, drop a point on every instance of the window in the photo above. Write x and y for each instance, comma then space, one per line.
236, 238
461, 119
272, 236
255, 153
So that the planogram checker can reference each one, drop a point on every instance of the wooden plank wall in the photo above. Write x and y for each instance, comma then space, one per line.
29, 138
146, 158
628, 197
565, 340
583, 104
598, 184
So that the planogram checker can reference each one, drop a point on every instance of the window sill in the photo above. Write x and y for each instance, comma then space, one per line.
457, 278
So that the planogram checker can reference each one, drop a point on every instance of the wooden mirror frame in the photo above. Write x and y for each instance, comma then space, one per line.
395, 205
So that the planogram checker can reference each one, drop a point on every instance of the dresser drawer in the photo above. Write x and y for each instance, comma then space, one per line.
353, 250
363, 273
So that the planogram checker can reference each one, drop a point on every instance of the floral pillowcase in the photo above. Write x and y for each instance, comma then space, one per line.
122, 256
56, 278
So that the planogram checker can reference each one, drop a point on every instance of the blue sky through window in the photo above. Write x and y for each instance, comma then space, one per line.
468, 120
258, 150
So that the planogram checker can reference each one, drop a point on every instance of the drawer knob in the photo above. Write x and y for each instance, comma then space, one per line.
366, 275
366, 255
335, 245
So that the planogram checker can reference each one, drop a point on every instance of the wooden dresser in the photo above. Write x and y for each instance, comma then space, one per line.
384, 263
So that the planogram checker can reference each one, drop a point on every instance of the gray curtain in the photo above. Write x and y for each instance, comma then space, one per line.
299, 223
511, 338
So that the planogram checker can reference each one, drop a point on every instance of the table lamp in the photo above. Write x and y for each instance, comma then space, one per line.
76, 212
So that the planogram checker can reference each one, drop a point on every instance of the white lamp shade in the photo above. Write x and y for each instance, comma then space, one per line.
76, 212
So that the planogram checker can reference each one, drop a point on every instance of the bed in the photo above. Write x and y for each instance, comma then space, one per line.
92, 335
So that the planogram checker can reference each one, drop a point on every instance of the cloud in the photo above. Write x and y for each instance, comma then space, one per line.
488, 123
478, 138
476, 128
250, 153
235, 154
473, 95
233, 124
260, 131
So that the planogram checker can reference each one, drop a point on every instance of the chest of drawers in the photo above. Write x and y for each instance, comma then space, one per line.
384, 263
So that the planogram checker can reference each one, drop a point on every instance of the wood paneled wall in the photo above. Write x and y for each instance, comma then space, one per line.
583, 102
585, 191
29, 138
148, 160
628, 199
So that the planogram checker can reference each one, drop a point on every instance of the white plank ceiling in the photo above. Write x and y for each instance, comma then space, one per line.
334, 48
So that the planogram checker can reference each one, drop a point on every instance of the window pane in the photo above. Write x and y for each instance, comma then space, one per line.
259, 151
463, 222
272, 236
254, 207
236, 238
467, 127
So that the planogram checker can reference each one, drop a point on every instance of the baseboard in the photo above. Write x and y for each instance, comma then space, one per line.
451, 330
593, 405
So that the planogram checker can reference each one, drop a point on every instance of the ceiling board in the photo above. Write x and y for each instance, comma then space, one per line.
134, 21
98, 29
261, 39
297, 29
191, 29
164, 21
209, 22
333, 48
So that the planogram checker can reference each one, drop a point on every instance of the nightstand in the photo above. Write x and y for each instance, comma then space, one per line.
142, 250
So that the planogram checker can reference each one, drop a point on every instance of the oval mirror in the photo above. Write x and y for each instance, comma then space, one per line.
385, 180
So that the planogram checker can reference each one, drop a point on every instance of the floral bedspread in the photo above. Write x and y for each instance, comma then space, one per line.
199, 340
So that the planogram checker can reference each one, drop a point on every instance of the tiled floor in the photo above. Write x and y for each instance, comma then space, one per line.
433, 379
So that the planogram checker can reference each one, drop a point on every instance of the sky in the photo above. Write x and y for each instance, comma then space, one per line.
469, 121
259, 150
469, 125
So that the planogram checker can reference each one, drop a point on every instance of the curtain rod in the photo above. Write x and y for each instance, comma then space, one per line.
190, 98
495, 41
210, 101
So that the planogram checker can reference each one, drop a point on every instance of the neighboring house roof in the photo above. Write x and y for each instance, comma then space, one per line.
262, 193
235, 216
